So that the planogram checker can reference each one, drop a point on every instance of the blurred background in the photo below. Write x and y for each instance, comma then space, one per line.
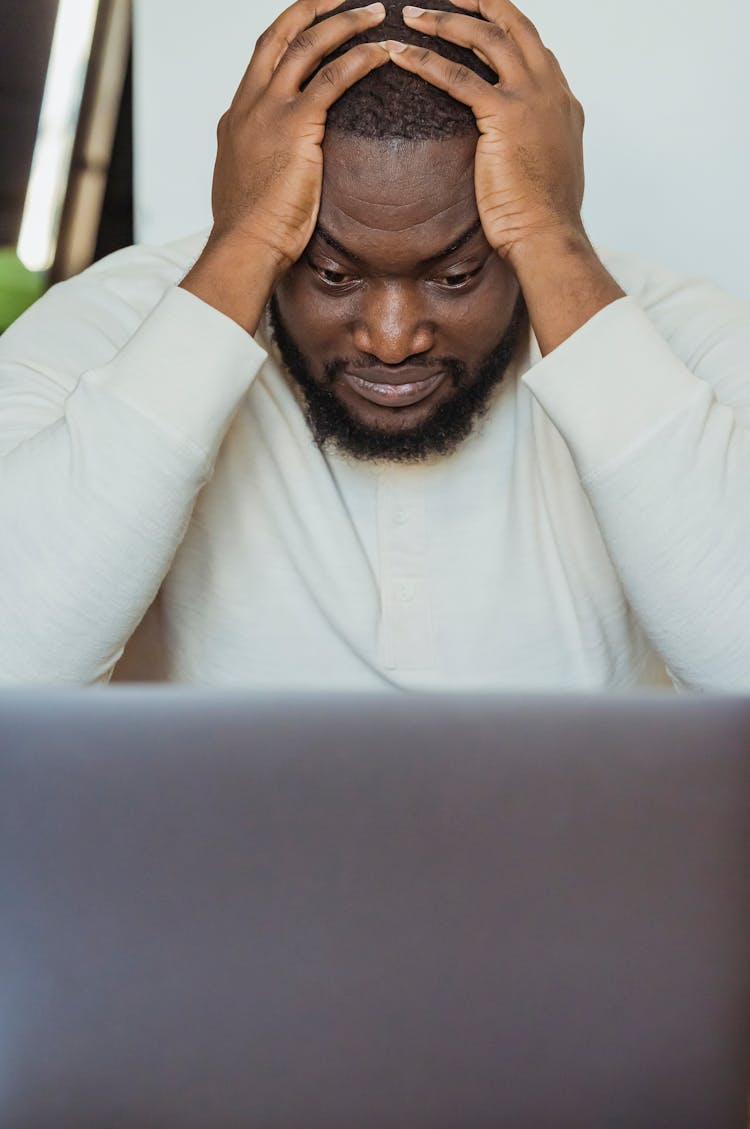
66, 141
108, 112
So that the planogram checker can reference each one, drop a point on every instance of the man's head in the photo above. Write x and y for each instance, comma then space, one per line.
399, 321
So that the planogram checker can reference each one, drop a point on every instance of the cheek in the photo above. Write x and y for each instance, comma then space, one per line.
475, 326
316, 324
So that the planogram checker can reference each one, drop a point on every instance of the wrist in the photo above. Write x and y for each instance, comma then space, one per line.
564, 283
536, 254
236, 277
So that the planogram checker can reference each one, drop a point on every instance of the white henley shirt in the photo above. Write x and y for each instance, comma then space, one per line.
166, 515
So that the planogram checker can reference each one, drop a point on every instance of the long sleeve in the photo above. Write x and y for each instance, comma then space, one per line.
652, 397
111, 418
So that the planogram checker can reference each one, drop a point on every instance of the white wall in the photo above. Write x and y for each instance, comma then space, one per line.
665, 84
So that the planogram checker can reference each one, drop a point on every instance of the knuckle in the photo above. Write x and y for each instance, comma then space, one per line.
424, 55
305, 41
496, 33
265, 39
458, 75
329, 74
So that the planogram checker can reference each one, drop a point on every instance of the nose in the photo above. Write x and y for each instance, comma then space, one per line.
391, 324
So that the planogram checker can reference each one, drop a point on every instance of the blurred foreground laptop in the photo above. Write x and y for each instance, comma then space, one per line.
228, 912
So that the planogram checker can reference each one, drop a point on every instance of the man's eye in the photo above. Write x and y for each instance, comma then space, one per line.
456, 281
332, 277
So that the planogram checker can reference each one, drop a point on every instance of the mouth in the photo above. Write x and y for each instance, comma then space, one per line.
394, 395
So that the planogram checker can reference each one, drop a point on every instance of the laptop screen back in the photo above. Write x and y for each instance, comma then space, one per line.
366, 913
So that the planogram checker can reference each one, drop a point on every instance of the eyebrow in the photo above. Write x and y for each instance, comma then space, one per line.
323, 233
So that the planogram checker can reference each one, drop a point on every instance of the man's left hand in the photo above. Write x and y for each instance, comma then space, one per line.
529, 163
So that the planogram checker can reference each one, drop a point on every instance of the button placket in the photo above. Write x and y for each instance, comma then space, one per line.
406, 640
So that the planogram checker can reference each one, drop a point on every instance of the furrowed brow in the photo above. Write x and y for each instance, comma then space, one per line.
457, 245
326, 236
322, 233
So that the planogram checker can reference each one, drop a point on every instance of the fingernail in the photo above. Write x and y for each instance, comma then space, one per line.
412, 12
376, 9
396, 48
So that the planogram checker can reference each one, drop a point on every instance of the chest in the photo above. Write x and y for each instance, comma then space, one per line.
485, 571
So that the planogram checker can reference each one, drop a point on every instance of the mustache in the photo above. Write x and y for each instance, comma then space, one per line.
455, 368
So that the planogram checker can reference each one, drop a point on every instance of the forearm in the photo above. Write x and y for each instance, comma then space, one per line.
93, 510
676, 522
564, 284
94, 505
665, 466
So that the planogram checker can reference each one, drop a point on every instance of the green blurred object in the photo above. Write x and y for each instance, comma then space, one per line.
19, 287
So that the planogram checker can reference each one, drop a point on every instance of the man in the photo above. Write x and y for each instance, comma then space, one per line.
394, 423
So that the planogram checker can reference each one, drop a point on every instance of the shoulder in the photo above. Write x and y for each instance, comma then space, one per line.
124, 286
708, 329
674, 302
84, 322
139, 275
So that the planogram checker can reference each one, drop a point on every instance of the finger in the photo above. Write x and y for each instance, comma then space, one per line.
459, 81
335, 78
506, 15
308, 50
495, 43
557, 69
273, 43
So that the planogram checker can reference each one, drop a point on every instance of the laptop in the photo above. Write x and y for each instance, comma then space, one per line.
225, 911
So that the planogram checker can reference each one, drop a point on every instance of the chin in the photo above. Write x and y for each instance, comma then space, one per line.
390, 420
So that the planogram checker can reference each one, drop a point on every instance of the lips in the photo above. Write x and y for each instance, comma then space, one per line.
394, 395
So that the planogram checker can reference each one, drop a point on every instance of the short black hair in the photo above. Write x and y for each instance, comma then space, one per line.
390, 103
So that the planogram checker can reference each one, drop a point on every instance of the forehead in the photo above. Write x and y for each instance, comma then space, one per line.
401, 200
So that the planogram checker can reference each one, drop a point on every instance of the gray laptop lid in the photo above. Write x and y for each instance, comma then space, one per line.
220, 912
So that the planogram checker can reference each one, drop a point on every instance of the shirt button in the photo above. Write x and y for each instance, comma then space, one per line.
401, 516
405, 591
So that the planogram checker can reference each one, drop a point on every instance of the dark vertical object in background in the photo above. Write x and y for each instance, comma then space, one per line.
26, 29
116, 227
100, 121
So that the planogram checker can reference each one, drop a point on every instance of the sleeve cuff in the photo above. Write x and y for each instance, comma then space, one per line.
611, 385
187, 369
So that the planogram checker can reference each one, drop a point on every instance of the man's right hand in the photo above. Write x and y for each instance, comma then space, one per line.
269, 168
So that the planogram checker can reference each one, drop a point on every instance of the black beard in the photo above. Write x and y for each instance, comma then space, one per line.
441, 433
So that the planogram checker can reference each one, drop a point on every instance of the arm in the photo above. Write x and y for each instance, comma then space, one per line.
658, 429
110, 424
653, 399
101, 461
